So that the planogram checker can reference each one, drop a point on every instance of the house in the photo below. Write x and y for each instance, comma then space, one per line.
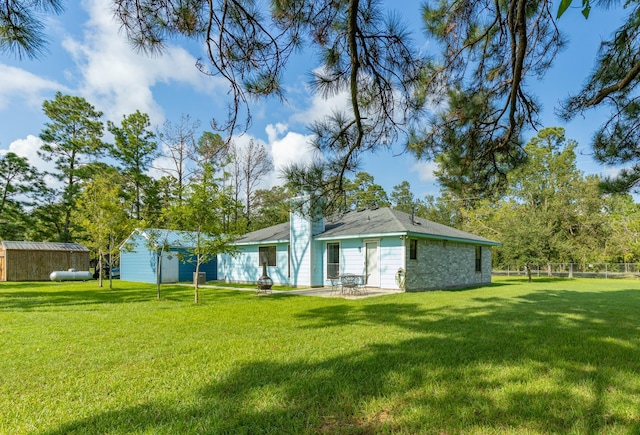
139, 257
392, 249
34, 261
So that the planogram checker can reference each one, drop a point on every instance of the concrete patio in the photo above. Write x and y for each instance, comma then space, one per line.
328, 292
322, 292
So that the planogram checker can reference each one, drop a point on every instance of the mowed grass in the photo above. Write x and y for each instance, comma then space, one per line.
554, 356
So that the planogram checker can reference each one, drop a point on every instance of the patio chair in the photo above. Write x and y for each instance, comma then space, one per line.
348, 283
361, 283
335, 283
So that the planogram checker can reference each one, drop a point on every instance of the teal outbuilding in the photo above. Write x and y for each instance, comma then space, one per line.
141, 251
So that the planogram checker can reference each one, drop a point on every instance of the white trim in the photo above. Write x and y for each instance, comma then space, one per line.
378, 277
270, 245
326, 257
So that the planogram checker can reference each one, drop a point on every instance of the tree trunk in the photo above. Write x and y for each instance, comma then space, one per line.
196, 283
110, 264
570, 270
100, 268
528, 267
158, 273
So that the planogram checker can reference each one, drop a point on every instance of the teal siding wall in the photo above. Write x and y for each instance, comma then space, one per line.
245, 267
391, 259
300, 230
318, 270
138, 264
187, 266
352, 258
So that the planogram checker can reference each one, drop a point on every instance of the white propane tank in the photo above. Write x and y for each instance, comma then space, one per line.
70, 275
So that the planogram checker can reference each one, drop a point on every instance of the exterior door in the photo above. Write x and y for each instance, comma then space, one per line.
2, 278
170, 267
372, 264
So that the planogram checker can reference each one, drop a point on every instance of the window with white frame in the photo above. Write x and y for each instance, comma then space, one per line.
267, 254
333, 259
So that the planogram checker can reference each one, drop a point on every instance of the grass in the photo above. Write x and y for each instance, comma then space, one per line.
554, 356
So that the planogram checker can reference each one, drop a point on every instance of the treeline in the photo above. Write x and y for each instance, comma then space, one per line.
104, 189
549, 211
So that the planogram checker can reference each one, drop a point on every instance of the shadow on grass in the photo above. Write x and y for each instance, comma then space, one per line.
559, 362
26, 296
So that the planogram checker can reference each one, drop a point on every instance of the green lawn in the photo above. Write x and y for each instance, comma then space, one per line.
554, 356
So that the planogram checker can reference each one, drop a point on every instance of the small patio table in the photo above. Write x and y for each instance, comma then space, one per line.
351, 283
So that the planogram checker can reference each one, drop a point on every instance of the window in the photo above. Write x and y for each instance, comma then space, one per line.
478, 258
267, 254
333, 259
413, 249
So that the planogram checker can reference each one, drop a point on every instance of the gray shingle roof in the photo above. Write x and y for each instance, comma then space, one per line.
173, 238
367, 223
42, 246
275, 233
388, 221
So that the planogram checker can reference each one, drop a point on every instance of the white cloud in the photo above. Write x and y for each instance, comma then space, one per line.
117, 79
290, 149
425, 171
28, 148
18, 83
285, 150
273, 130
321, 107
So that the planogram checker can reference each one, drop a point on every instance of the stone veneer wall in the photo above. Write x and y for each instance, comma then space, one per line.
445, 264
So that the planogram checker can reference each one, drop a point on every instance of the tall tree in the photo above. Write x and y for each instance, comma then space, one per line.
446, 209
255, 164
202, 213
235, 179
489, 50
623, 243
613, 86
363, 192
363, 51
271, 207
211, 148
179, 146
551, 212
70, 138
101, 212
135, 149
21, 187
19, 181
404, 200
46, 218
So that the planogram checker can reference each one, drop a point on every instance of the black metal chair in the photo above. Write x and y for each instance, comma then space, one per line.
335, 283
348, 283
361, 283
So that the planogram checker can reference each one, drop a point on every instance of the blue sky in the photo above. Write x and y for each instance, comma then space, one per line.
88, 57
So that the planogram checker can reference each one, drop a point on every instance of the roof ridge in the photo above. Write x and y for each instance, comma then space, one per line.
393, 212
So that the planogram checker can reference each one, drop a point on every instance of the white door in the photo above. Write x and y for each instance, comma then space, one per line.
170, 265
372, 264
